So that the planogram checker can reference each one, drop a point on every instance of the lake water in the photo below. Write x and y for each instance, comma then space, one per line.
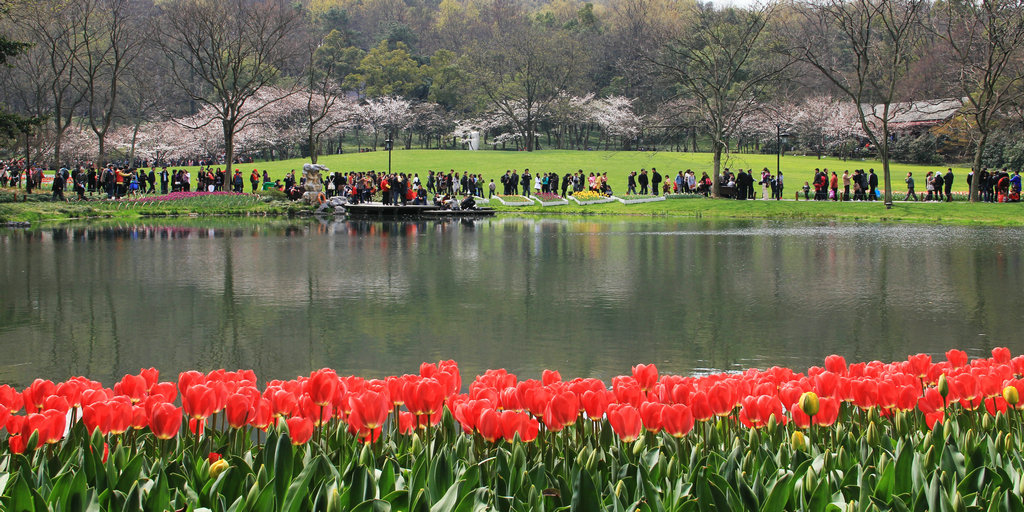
586, 297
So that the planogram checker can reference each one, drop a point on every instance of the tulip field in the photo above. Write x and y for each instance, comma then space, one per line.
910, 435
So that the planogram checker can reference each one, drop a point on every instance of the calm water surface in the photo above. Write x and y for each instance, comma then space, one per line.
587, 297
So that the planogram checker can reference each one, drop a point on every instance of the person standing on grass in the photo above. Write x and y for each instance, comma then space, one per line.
872, 185
947, 181
631, 183
910, 186
254, 180
938, 181
846, 185
655, 181
642, 180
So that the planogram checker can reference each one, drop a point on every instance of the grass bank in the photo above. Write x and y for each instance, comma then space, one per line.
40, 209
36, 208
963, 213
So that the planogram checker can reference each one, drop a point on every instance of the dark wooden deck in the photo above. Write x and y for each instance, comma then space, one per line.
428, 210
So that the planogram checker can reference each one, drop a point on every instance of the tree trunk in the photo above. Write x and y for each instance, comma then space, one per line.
977, 165
229, 146
312, 145
715, 187
883, 151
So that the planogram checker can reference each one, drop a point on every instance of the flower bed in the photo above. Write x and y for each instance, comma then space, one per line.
546, 199
584, 197
514, 200
898, 436
636, 199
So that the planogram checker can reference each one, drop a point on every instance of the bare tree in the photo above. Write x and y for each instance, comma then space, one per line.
223, 52
986, 43
55, 28
111, 41
522, 67
324, 109
721, 61
865, 48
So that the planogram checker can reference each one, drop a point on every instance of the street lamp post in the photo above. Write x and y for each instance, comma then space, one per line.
387, 145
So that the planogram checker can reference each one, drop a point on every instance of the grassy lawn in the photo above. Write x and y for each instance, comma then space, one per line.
493, 163
797, 169
938, 213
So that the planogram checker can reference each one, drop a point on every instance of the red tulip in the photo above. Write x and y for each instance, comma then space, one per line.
561, 411
11, 399
300, 430
957, 358
369, 410
36, 393
722, 398
318, 414
168, 390
995, 405
406, 423
676, 420
595, 403
919, 364
700, 406
425, 396
165, 420
933, 418
71, 390
510, 400
1001, 355
199, 401
836, 364
283, 403
151, 376
140, 419
17, 443
625, 421
263, 413
519, 424
188, 379
548, 377
323, 384
96, 416
468, 412
239, 410
132, 386
646, 375
121, 415
650, 414
489, 424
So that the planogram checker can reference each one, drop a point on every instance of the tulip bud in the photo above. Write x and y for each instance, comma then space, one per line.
638, 445
592, 460
1011, 395
798, 441
1008, 443
334, 499
217, 468
366, 456
620, 488
809, 403
771, 426
873, 434
943, 386
929, 458
986, 422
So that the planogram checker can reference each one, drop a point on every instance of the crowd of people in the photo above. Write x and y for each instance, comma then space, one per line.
115, 182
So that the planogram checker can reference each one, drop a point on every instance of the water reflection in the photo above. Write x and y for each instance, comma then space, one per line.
589, 297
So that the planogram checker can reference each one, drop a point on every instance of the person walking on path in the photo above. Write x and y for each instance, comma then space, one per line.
910, 186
